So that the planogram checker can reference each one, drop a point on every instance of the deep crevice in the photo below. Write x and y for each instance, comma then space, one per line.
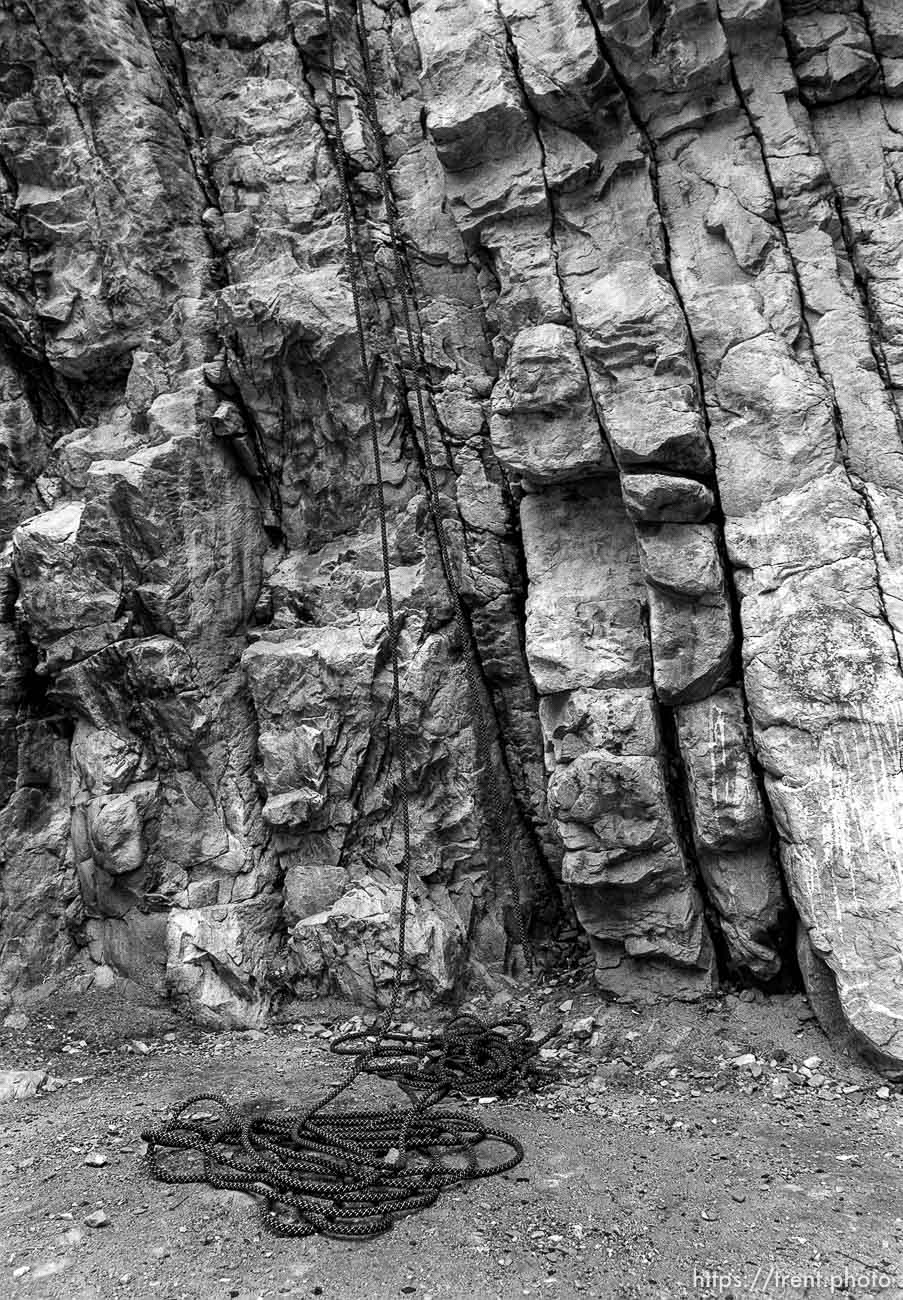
676, 784
492, 703
179, 86
270, 478
717, 517
493, 696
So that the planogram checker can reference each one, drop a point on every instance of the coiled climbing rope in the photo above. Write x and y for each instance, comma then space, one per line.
352, 1173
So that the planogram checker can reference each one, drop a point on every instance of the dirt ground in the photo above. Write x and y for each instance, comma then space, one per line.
684, 1152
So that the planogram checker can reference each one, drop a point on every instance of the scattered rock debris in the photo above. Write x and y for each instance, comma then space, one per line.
673, 1135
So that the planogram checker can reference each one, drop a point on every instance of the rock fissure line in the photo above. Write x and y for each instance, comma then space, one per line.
17, 339
197, 153
493, 694
872, 318
854, 480
312, 95
511, 51
863, 11
195, 148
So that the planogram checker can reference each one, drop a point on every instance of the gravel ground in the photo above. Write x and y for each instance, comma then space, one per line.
723, 1149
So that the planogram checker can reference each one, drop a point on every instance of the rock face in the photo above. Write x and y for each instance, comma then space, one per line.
655, 251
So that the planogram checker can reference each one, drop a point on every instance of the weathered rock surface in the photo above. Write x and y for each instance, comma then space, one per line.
656, 256
543, 423
731, 830
589, 654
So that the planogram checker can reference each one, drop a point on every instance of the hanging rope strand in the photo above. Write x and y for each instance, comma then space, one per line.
352, 1174
410, 315
352, 265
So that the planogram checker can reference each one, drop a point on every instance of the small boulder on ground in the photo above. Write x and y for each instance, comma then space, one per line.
16, 1085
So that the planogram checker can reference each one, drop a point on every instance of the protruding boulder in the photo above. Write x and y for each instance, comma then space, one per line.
666, 498
833, 52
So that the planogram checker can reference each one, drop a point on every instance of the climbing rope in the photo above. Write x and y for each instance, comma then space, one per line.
351, 1174
469, 1055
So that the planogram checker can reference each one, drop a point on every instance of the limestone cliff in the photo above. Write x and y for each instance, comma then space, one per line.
656, 252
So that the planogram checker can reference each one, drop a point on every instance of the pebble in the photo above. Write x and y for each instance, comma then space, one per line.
883, 1093
780, 1087
567, 1006
96, 1159
812, 1062
98, 1219
21, 1270
583, 1028
16, 1020
748, 1058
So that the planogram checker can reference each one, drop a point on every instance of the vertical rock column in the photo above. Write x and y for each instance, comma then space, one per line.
589, 655
730, 827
